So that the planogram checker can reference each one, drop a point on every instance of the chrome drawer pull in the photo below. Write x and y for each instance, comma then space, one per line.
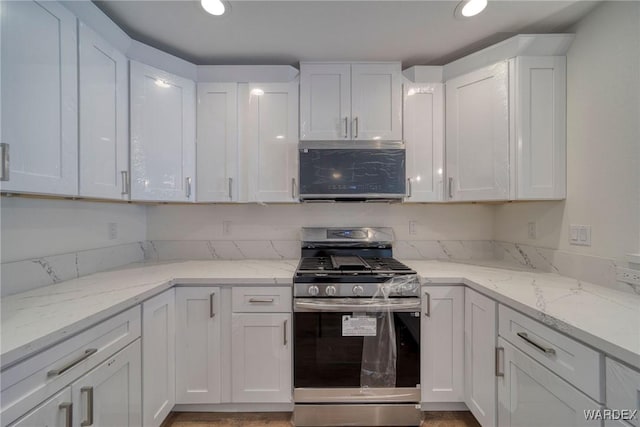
499, 362
4, 161
211, 313
125, 182
540, 347
71, 364
261, 300
428, 313
68, 413
89, 420
285, 332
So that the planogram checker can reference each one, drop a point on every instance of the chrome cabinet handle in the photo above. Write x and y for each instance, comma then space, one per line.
409, 189
188, 186
260, 300
4, 158
230, 188
89, 420
61, 370
450, 188
284, 328
428, 313
546, 350
355, 120
125, 182
499, 362
293, 188
67, 407
211, 313
346, 126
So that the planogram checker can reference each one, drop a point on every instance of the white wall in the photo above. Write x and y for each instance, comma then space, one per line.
283, 222
34, 228
603, 143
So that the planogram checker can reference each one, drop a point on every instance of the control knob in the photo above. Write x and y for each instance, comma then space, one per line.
330, 290
358, 290
313, 290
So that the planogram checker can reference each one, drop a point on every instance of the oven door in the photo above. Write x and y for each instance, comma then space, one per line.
328, 361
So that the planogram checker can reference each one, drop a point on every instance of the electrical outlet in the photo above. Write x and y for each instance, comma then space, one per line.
226, 228
580, 235
412, 228
112, 230
531, 230
628, 275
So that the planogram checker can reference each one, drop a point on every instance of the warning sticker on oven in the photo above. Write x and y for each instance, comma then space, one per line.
355, 326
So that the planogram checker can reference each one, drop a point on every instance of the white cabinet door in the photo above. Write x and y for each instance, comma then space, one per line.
104, 118
110, 395
477, 116
198, 345
479, 357
55, 412
325, 102
540, 141
531, 395
39, 97
272, 142
376, 101
217, 142
442, 343
158, 358
623, 389
424, 141
162, 135
261, 358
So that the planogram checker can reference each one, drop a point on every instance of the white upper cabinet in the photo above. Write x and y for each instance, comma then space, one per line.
104, 118
272, 141
478, 134
217, 143
506, 131
540, 118
424, 141
343, 101
39, 97
376, 102
162, 135
325, 101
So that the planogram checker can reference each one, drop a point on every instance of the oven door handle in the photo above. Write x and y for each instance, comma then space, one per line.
360, 305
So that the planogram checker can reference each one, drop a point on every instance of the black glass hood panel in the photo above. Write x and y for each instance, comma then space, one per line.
352, 173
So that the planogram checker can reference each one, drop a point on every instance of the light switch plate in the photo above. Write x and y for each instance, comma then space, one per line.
580, 235
531, 230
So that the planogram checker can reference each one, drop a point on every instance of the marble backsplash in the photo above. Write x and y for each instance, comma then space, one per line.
21, 276
28, 274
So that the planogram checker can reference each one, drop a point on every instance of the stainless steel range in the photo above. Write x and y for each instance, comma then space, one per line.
356, 331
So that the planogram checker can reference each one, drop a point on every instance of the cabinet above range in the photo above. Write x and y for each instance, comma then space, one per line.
350, 101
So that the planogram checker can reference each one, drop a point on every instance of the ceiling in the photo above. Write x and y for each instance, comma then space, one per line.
285, 32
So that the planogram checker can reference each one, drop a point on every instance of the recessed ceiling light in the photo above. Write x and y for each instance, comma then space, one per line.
468, 8
214, 7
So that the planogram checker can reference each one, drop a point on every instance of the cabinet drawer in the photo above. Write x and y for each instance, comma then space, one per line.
569, 359
257, 299
623, 389
30, 382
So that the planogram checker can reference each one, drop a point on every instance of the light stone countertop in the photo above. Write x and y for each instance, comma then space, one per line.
604, 318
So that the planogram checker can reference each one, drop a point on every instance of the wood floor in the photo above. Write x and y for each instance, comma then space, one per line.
283, 419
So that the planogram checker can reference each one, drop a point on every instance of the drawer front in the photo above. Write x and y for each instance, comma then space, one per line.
575, 362
623, 390
30, 382
261, 300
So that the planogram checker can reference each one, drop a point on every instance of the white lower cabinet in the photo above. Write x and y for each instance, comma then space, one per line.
198, 346
158, 358
261, 357
479, 357
442, 344
110, 395
623, 391
55, 412
531, 395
